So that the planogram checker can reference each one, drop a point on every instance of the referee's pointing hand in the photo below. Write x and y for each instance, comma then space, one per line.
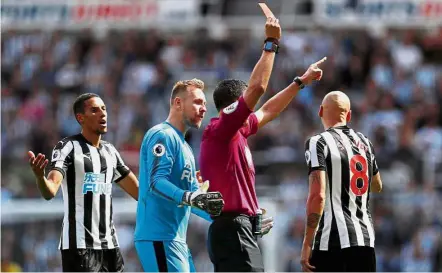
314, 72
38, 164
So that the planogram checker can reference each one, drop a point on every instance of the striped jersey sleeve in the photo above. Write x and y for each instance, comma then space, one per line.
121, 170
315, 153
62, 156
372, 152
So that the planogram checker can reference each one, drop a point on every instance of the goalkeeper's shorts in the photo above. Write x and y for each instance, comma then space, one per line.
164, 256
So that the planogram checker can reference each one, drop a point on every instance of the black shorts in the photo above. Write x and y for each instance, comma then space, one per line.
92, 260
232, 245
352, 259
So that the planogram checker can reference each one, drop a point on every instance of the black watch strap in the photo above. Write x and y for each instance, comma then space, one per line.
271, 45
299, 82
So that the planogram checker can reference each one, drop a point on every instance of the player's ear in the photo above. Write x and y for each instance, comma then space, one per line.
348, 116
177, 102
80, 118
321, 111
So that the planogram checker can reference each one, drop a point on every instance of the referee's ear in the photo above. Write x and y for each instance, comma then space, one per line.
348, 116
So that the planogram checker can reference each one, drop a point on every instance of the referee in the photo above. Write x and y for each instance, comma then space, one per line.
86, 167
226, 160
342, 173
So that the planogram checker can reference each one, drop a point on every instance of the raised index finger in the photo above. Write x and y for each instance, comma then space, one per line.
320, 61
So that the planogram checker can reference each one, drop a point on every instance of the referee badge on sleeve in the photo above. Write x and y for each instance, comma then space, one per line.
307, 157
56, 154
158, 149
231, 108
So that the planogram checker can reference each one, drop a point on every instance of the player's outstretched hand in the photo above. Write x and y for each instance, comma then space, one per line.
211, 202
314, 72
38, 164
273, 29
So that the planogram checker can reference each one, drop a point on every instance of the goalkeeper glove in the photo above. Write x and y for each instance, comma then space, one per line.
211, 202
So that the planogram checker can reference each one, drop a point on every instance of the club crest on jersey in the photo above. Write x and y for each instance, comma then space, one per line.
307, 157
158, 149
56, 154
231, 108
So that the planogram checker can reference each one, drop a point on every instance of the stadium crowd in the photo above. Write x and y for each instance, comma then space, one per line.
394, 79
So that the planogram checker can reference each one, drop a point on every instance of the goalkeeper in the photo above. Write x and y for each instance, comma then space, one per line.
169, 189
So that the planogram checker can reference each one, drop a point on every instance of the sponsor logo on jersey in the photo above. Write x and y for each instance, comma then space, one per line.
95, 183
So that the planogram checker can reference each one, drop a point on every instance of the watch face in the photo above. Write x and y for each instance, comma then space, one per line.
268, 46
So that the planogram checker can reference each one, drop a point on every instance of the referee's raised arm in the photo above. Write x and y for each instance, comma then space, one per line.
263, 69
235, 100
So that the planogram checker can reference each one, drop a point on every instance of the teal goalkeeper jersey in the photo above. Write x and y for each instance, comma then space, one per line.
167, 170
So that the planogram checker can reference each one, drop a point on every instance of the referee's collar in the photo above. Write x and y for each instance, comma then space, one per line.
342, 127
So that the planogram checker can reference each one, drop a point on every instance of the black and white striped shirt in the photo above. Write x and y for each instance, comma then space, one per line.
88, 173
349, 161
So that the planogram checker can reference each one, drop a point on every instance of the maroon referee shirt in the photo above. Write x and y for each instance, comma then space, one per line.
225, 158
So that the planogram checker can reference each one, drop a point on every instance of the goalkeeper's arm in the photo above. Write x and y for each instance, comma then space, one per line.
159, 151
211, 202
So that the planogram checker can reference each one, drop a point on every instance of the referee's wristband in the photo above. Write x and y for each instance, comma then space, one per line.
273, 40
299, 82
271, 45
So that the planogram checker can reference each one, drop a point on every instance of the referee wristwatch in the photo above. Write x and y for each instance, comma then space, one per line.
271, 45
299, 82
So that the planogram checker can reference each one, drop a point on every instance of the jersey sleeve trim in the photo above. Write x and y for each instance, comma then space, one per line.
63, 173
122, 169
319, 168
122, 177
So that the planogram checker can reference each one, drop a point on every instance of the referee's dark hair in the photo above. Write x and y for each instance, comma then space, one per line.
79, 103
227, 92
